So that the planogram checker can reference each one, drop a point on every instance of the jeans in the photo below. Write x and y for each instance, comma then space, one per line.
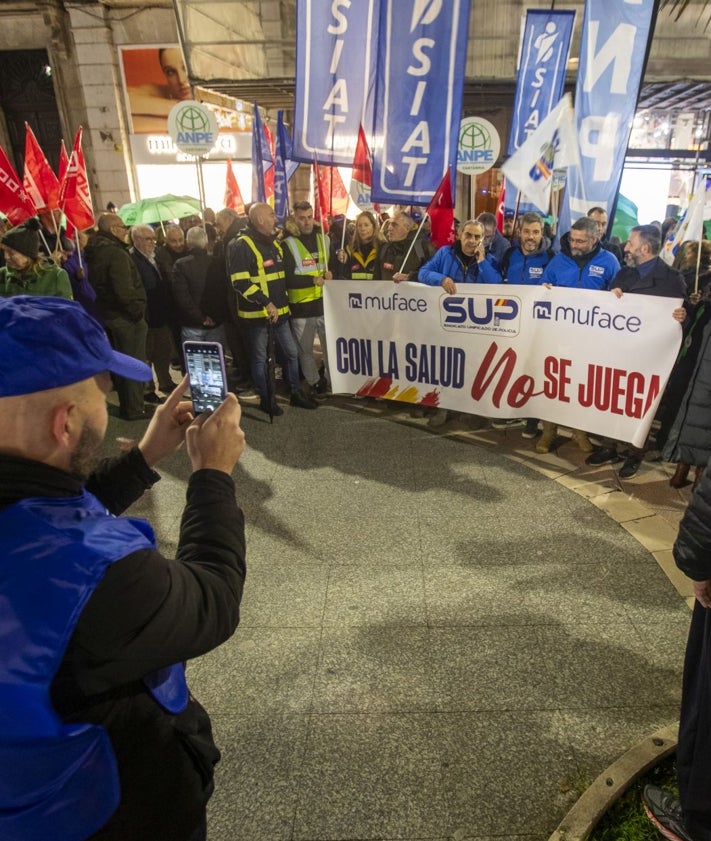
257, 338
305, 331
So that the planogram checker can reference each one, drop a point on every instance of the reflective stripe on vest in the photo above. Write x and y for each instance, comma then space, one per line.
307, 267
260, 282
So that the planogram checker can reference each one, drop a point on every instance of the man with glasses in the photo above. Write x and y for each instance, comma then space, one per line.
581, 264
463, 262
121, 299
159, 341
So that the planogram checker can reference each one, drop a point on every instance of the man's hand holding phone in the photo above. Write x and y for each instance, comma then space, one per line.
215, 440
166, 431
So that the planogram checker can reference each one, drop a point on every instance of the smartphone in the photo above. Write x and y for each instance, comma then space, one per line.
205, 364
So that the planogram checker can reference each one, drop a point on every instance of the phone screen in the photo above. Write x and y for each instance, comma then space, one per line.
205, 364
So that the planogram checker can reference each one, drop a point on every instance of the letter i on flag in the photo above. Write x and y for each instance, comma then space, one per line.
74, 196
441, 213
233, 196
14, 201
553, 145
39, 180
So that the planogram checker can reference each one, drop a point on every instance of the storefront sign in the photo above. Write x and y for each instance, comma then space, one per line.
162, 149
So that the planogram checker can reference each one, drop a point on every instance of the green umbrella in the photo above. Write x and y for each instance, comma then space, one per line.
159, 209
625, 218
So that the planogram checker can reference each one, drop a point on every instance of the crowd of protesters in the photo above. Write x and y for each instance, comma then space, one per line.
239, 280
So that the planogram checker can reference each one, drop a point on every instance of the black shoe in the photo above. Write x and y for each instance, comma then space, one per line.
664, 811
531, 428
322, 388
298, 399
630, 467
276, 409
605, 455
152, 398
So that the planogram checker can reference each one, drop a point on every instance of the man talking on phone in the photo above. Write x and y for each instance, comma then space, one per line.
100, 737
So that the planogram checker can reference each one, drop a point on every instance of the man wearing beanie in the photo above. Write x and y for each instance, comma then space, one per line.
26, 272
100, 738
121, 299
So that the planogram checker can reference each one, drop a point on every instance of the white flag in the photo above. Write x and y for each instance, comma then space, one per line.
553, 145
691, 226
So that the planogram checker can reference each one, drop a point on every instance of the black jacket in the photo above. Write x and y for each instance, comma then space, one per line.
148, 612
114, 276
159, 294
392, 254
663, 281
692, 550
189, 280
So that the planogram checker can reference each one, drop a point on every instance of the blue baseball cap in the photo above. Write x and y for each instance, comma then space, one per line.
51, 342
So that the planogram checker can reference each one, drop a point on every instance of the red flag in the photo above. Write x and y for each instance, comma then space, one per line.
441, 213
233, 196
362, 179
74, 195
269, 174
500, 207
39, 180
332, 196
63, 164
14, 201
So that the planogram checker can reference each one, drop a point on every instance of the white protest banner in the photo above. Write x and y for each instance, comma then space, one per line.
582, 358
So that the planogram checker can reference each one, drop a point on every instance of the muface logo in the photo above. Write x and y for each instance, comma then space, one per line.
481, 314
395, 302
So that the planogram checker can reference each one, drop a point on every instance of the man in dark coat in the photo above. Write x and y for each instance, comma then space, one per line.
104, 740
159, 341
121, 298
689, 817
398, 258
645, 274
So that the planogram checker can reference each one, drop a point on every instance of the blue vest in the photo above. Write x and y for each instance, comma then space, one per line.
57, 780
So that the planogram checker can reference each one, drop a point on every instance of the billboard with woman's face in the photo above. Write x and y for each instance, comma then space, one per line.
155, 78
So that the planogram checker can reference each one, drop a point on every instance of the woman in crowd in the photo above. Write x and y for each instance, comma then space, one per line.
26, 272
359, 261
686, 260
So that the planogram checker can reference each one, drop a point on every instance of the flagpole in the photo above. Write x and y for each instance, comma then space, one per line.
698, 263
317, 201
425, 215
76, 239
201, 190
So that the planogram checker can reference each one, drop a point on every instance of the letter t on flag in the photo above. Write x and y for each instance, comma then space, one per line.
441, 213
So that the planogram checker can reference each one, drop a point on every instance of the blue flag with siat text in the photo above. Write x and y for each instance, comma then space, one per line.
422, 51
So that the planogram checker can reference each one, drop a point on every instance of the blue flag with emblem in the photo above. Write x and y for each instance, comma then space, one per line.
336, 43
284, 168
422, 51
545, 47
613, 51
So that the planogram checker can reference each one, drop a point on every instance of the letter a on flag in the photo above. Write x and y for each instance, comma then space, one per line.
233, 196
553, 145
441, 213
39, 180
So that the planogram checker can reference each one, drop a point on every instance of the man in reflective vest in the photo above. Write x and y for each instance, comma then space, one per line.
99, 736
306, 263
257, 274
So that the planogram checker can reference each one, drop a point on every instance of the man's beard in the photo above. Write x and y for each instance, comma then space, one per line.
87, 454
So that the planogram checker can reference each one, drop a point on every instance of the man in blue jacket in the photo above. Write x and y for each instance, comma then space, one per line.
525, 261
463, 262
100, 737
582, 262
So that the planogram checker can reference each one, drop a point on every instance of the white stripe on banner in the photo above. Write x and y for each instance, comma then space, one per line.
336, 50
545, 46
584, 359
612, 51
422, 53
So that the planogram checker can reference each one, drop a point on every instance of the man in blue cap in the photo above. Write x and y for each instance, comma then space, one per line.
103, 739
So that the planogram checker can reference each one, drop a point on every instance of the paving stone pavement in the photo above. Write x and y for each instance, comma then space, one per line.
444, 635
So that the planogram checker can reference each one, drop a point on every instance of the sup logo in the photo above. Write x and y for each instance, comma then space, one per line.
481, 314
